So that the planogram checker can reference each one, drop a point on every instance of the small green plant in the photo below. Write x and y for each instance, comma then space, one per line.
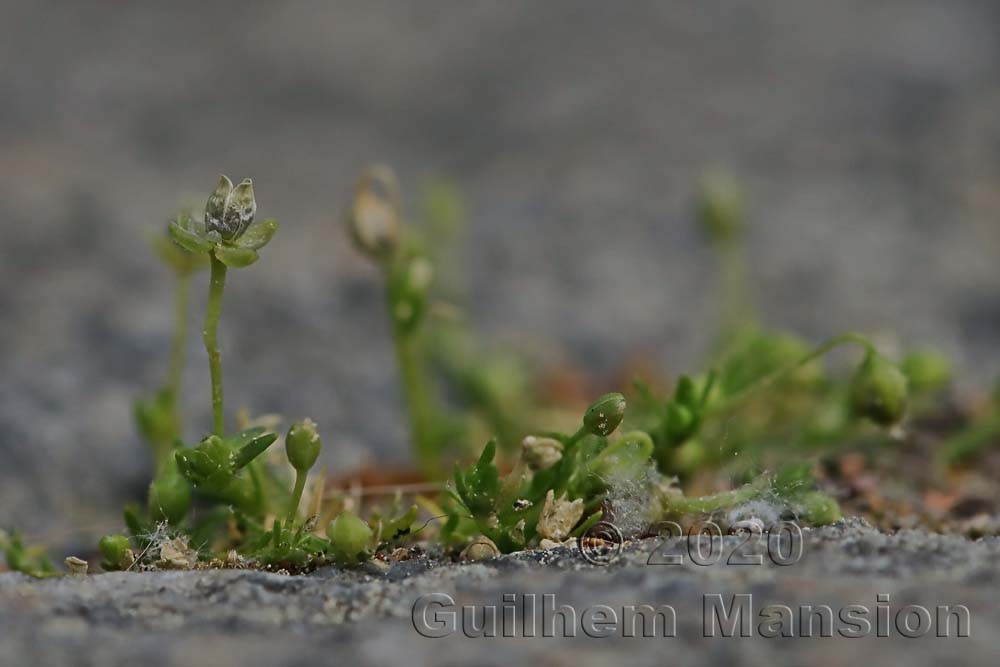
232, 500
30, 560
559, 479
562, 484
249, 509
157, 417
982, 431
431, 345
767, 392
302, 445
375, 224
720, 210
230, 239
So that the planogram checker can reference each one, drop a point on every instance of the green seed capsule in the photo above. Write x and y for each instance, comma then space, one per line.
169, 497
878, 391
820, 509
926, 370
116, 550
302, 444
350, 538
605, 414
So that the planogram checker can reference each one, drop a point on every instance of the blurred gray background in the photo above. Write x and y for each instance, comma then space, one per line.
867, 136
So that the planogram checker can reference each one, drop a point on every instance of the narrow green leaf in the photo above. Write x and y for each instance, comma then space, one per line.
243, 438
253, 449
489, 452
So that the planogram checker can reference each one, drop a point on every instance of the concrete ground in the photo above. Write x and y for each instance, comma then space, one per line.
403, 614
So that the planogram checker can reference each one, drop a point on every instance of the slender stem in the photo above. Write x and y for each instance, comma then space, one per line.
257, 479
293, 505
211, 333
782, 373
162, 445
575, 438
970, 441
676, 505
179, 342
415, 394
737, 308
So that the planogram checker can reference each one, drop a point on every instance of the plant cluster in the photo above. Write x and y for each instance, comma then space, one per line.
245, 508
231, 500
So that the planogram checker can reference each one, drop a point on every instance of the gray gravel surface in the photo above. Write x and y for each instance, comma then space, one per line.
366, 616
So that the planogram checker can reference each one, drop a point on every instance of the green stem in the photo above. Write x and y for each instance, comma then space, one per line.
678, 506
969, 442
575, 438
216, 287
415, 394
259, 495
773, 378
179, 342
737, 308
293, 506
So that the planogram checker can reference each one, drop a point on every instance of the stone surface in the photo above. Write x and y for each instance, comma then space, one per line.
254, 618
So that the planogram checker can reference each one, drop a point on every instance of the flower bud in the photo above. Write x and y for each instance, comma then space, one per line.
926, 370
541, 453
116, 551
605, 414
240, 209
481, 548
374, 218
878, 391
720, 208
215, 208
350, 538
302, 444
559, 516
169, 497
